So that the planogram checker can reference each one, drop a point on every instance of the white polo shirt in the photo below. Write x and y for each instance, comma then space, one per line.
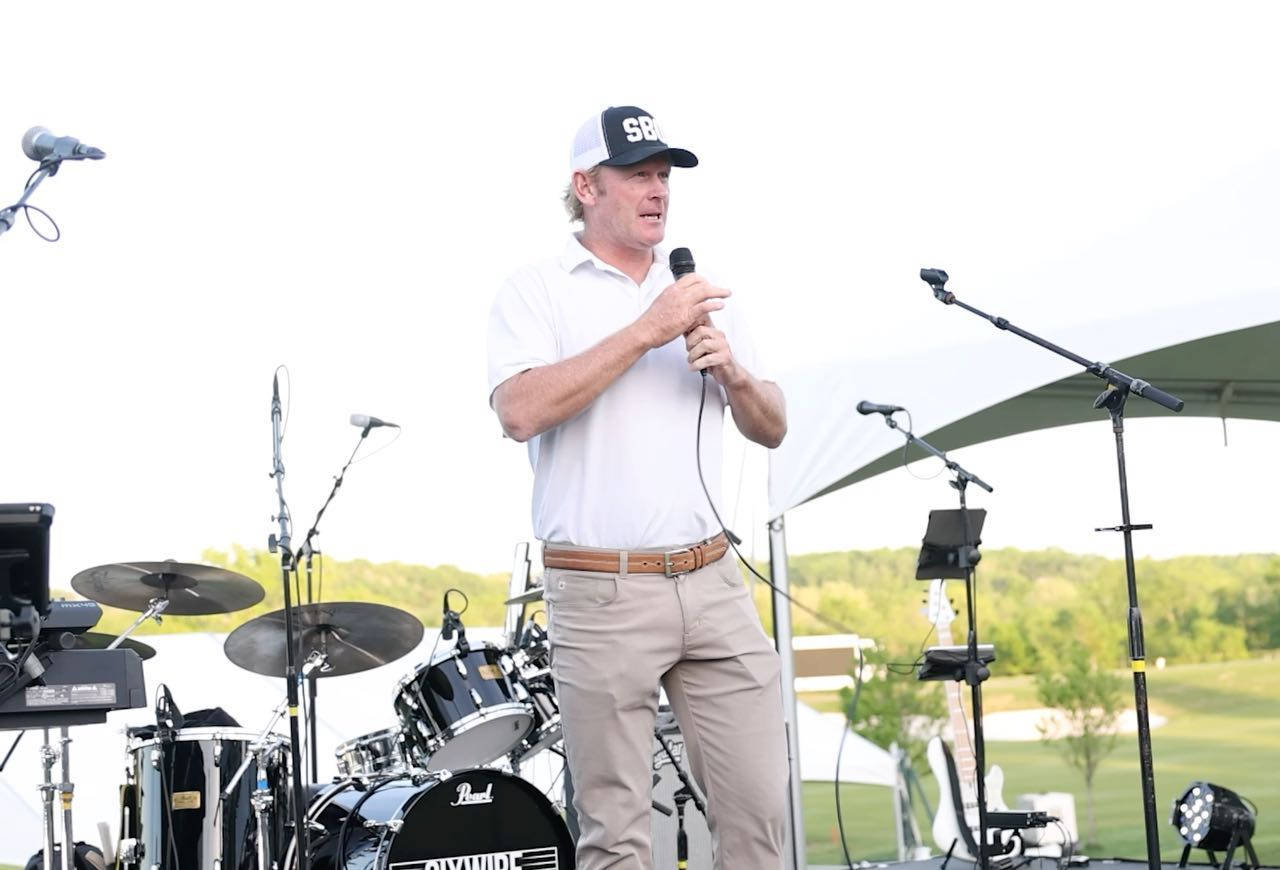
621, 474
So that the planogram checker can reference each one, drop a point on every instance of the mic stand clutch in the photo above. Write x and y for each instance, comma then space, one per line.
290, 646
1113, 398
961, 554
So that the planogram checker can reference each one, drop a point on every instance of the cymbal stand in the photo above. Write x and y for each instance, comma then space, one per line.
155, 610
48, 757
317, 660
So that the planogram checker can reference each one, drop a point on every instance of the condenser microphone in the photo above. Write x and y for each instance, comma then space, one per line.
865, 407
40, 145
364, 421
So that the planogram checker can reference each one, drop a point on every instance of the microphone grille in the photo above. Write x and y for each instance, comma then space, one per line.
681, 262
29, 141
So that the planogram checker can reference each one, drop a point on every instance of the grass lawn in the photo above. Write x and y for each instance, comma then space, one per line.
1224, 726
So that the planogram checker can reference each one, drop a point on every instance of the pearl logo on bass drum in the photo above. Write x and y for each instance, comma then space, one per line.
521, 859
466, 798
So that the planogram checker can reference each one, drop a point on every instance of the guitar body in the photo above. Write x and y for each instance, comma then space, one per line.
962, 767
946, 823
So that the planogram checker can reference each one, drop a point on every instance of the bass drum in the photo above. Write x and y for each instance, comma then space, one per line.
476, 818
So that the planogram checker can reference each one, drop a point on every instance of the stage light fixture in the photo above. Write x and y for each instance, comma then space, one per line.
1210, 817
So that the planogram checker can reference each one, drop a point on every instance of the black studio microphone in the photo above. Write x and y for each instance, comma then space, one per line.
40, 145
865, 407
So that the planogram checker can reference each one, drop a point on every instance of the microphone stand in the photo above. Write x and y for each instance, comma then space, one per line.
975, 672
1113, 398
10, 213
307, 550
290, 674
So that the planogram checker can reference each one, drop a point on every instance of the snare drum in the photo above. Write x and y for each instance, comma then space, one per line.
461, 710
369, 756
178, 821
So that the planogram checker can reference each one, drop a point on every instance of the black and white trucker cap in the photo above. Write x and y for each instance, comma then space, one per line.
622, 136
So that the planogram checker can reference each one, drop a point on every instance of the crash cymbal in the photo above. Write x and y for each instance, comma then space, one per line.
97, 640
533, 593
356, 635
192, 590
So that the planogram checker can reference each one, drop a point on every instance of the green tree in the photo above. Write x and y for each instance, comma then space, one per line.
895, 707
1089, 700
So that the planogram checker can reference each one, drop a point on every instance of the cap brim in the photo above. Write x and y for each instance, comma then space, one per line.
679, 157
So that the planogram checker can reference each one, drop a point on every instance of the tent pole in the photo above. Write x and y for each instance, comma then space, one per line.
782, 639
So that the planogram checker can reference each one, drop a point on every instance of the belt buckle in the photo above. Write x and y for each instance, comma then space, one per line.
666, 560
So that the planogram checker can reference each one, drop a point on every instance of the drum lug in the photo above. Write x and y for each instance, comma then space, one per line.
462, 666
132, 850
394, 825
475, 696
156, 756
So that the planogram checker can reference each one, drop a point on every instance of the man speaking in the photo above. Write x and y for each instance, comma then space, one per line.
594, 360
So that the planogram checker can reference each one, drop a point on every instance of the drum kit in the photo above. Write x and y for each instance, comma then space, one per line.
440, 789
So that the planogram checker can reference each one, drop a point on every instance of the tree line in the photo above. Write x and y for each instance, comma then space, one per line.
1032, 604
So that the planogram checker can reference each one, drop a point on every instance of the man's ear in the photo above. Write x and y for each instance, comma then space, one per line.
585, 188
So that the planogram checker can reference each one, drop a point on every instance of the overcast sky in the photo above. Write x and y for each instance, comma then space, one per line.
341, 188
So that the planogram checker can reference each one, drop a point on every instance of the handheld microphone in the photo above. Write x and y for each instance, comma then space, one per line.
364, 421
865, 407
681, 261
41, 145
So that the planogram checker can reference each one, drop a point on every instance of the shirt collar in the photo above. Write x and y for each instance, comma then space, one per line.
575, 254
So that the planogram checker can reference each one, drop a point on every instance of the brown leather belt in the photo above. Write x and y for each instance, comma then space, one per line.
669, 562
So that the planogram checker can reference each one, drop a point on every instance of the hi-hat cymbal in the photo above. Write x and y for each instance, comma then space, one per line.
534, 593
98, 640
192, 590
356, 636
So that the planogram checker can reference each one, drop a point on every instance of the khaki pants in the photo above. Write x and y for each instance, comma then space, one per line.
614, 638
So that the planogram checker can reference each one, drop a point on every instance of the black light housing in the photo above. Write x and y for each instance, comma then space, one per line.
1210, 817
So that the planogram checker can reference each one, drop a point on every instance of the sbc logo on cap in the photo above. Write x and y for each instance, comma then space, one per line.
640, 128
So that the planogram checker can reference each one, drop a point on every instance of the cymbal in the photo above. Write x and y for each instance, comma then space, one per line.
533, 593
192, 590
356, 635
98, 640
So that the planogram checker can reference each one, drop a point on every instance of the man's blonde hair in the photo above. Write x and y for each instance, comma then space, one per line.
572, 204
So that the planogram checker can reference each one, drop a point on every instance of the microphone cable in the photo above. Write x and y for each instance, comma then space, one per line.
734, 540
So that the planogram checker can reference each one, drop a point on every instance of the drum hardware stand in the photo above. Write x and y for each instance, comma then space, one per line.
283, 543
48, 757
957, 557
155, 610
1113, 398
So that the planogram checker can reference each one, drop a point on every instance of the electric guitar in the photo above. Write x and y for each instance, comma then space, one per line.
956, 824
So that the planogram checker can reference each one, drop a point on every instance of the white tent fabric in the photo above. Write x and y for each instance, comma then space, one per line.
861, 761
199, 675
1222, 357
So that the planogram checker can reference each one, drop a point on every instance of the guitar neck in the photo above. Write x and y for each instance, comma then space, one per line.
966, 764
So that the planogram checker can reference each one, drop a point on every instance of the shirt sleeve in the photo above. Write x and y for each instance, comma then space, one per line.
521, 329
